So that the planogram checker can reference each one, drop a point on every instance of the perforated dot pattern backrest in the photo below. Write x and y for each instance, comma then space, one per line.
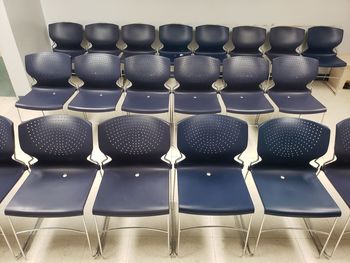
211, 37
49, 69
248, 38
292, 142
196, 72
57, 139
98, 70
7, 143
136, 139
175, 36
147, 71
324, 38
66, 34
245, 73
102, 35
138, 36
211, 139
284, 38
342, 141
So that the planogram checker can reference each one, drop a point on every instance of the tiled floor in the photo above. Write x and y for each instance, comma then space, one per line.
208, 245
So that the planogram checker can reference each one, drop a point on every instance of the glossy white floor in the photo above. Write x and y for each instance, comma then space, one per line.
208, 245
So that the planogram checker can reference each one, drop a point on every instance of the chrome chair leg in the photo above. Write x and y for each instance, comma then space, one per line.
6, 240
87, 236
341, 235
259, 235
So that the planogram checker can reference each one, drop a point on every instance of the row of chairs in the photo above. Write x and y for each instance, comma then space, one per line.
138, 177
176, 38
148, 74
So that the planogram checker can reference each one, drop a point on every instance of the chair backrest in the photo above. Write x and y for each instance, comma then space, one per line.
175, 37
324, 39
211, 37
134, 140
98, 70
49, 68
138, 36
7, 140
147, 72
57, 139
102, 35
293, 72
244, 73
66, 34
248, 38
211, 139
196, 73
285, 38
342, 142
292, 142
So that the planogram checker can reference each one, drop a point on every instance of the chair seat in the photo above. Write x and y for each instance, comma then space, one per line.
9, 175
246, 102
196, 102
131, 52
271, 54
293, 193
172, 55
221, 55
89, 100
224, 192
71, 52
326, 60
296, 102
42, 98
235, 53
133, 191
115, 51
146, 102
53, 192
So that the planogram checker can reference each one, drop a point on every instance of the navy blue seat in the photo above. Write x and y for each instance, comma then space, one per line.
100, 93
103, 38
242, 93
67, 37
247, 40
175, 39
321, 42
196, 75
148, 74
211, 40
284, 40
51, 72
291, 75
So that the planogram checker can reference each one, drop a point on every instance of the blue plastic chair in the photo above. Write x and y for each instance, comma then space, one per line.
148, 74
51, 71
291, 75
196, 75
211, 40
67, 38
60, 181
103, 38
210, 181
287, 184
136, 181
100, 93
247, 40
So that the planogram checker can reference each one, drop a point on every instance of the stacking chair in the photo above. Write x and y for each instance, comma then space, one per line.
247, 41
175, 39
60, 181
100, 73
51, 72
287, 183
67, 38
103, 38
147, 94
211, 40
284, 40
210, 180
136, 181
195, 94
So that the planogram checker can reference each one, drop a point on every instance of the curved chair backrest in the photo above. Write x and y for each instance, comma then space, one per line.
248, 38
196, 72
211, 139
324, 39
147, 71
293, 72
66, 34
292, 142
49, 68
98, 70
211, 37
245, 73
7, 140
138, 36
57, 139
342, 141
102, 35
175, 36
285, 38
136, 139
